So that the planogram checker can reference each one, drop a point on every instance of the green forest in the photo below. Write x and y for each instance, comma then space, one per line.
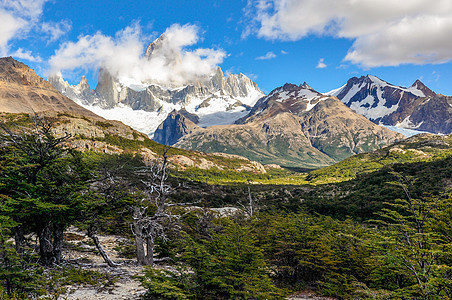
374, 226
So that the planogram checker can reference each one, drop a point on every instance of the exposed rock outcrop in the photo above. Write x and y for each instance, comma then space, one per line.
175, 126
22, 91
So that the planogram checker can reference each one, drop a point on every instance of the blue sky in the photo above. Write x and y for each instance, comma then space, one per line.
322, 42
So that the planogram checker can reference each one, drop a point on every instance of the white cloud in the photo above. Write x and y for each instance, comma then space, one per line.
385, 32
170, 63
18, 18
284, 52
28, 9
268, 55
321, 64
56, 30
26, 54
8, 29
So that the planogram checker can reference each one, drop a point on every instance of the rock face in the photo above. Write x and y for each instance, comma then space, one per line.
22, 91
416, 107
215, 99
175, 126
294, 126
433, 115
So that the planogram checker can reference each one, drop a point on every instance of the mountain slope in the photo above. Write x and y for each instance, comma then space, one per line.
424, 147
416, 107
21, 90
293, 126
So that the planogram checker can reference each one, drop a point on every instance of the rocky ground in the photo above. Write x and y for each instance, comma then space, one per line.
122, 283
80, 252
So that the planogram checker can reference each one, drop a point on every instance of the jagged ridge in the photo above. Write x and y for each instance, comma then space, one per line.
416, 107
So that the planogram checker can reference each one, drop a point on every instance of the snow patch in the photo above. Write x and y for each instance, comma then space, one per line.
283, 96
406, 123
372, 112
335, 92
140, 120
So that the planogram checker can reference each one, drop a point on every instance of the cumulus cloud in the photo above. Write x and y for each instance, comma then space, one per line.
56, 30
17, 18
385, 32
268, 55
26, 54
321, 64
170, 62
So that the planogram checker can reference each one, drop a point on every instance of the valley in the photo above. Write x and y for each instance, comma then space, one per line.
238, 195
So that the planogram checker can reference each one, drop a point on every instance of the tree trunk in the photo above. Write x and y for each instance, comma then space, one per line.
46, 246
58, 243
19, 239
150, 251
101, 250
137, 228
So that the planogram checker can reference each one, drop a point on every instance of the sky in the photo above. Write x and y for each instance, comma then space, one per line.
321, 42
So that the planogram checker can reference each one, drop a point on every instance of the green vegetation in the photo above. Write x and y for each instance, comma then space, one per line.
375, 226
416, 149
216, 176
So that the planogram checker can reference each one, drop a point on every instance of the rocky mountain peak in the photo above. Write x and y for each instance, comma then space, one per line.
83, 84
22, 91
13, 71
419, 85
388, 104
218, 79
160, 47
155, 45
83, 81
289, 87
289, 98
304, 85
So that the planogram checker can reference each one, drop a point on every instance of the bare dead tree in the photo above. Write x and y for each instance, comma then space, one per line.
153, 216
251, 205
113, 179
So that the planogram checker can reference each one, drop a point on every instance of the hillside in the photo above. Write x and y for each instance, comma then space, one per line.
113, 137
419, 148
292, 126
21, 90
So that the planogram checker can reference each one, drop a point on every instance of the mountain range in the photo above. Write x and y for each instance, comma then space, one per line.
214, 99
293, 126
22, 93
416, 107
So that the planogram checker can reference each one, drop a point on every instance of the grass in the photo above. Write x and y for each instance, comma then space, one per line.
230, 177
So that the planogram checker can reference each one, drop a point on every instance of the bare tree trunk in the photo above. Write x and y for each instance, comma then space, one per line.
250, 198
137, 228
58, 243
101, 250
46, 246
19, 239
150, 245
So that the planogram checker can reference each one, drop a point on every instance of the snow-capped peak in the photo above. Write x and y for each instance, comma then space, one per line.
375, 98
